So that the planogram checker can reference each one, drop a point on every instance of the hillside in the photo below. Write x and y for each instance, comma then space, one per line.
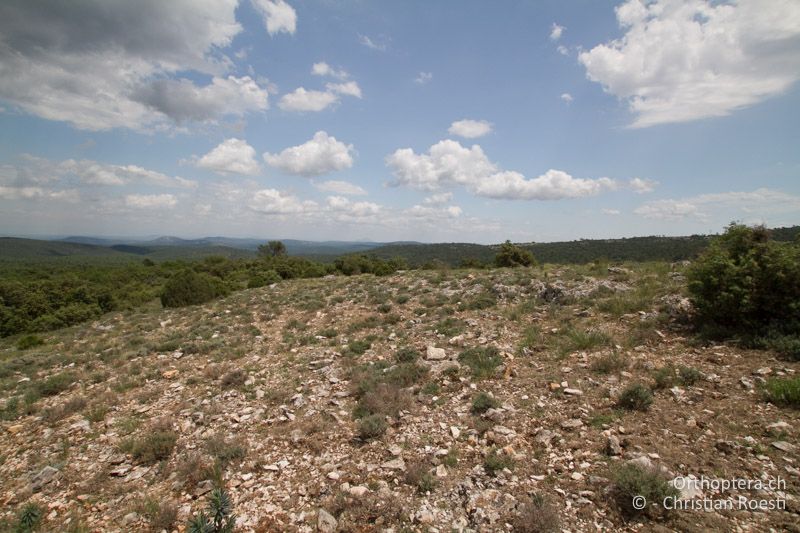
568, 252
457, 400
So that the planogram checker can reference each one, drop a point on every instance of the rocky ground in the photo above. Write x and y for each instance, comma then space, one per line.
424, 401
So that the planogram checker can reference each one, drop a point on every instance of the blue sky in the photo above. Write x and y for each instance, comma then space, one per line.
469, 121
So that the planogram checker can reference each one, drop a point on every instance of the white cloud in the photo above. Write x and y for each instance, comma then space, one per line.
341, 187
423, 78
556, 31
566, 97
278, 16
349, 88
343, 206
37, 193
150, 201
470, 129
274, 202
563, 50
438, 199
685, 60
434, 213
182, 100
611, 212
304, 100
728, 205
642, 186
101, 65
448, 163
320, 155
552, 185
232, 156
324, 69
371, 43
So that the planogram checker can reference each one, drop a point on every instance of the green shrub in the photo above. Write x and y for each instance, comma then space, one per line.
482, 361
407, 354
29, 518
608, 363
783, 391
631, 480
220, 517
636, 396
747, 285
483, 402
496, 461
55, 384
371, 427
156, 444
29, 341
511, 255
664, 377
537, 515
191, 288
418, 475
262, 279
689, 376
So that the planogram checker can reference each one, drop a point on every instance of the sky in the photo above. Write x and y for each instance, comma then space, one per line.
469, 121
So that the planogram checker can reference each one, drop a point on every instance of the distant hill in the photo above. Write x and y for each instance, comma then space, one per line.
580, 251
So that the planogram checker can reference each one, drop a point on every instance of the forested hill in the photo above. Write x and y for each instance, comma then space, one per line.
580, 251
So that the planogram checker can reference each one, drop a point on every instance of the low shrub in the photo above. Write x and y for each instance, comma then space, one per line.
633, 480
783, 391
482, 361
371, 427
191, 288
537, 515
636, 397
483, 402
29, 341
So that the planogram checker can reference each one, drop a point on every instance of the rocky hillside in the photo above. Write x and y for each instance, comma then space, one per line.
509, 400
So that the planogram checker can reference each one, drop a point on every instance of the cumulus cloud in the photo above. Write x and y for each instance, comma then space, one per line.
150, 201
611, 212
232, 156
274, 202
182, 100
448, 163
760, 202
438, 199
302, 99
36, 171
470, 129
278, 16
690, 59
423, 78
566, 97
556, 32
344, 188
99, 65
324, 69
36, 193
642, 186
349, 88
320, 155
434, 213
343, 206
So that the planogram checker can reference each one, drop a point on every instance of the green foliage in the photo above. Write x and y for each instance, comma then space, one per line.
29, 518
636, 397
482, 361
191, 288
482, 402
631, 480
29, 341
156, 444
371, 427
537, 515
218, 519
354, 264
746, 284
272, 249
407, 354
688, 376
609, 363
496, 461
262, 279
783, 391
511, 255
55, 384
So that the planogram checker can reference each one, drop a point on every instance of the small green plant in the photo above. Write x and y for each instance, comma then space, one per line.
688, 376
384, 308
537, 515
664, 377
358, 347
496, 461
482, 361
55, 384
418, 474
234, 379
636, 397
609, 363
371, 427
483, 402
783, 391
155, 445
406, 354
29, 341
220, 517
632, 480
511, 255
29, 518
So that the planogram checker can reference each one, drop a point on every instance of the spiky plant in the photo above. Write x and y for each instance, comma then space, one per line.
219, 518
